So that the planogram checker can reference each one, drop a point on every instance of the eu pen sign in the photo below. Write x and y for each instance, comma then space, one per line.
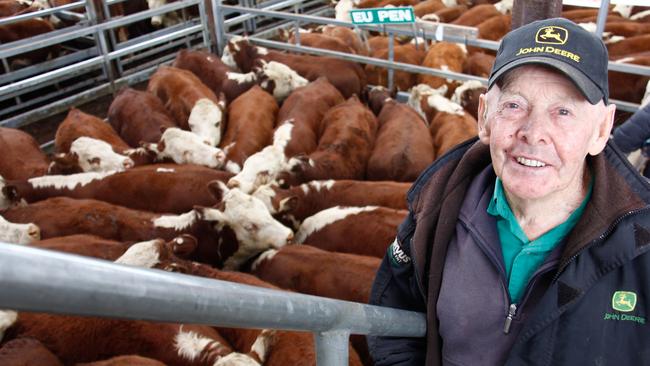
383, 16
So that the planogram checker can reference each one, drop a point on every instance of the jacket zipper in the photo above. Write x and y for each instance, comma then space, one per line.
597, 240
512, 312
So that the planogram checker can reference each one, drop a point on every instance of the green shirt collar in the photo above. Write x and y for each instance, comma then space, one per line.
499, 207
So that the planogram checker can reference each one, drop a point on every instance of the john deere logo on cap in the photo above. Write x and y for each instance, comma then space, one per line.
624, 301
551, 35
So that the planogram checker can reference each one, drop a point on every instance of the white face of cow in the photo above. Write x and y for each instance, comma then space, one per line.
185, 147
156, 20
285, 79
264, 166
255, 228
144, 254
98, 156
205, 120
18, 233
7, 319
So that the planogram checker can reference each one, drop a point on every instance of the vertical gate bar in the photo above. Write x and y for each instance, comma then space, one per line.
332, 348
205, 25
391, 57
114, 40
102, 44
220, 32
602, 18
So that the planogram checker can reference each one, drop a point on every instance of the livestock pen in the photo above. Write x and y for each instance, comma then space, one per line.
97, 63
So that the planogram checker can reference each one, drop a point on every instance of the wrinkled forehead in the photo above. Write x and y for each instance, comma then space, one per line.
530, 75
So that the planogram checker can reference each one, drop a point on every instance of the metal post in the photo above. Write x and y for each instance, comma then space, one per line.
102, 44
602, 17
391, 59
205, 25
528, 11
220, 30
332, 348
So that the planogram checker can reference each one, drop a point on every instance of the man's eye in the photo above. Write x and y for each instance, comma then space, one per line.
564, 112
512, 105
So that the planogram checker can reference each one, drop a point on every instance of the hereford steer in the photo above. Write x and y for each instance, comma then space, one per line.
450, 129
348, 136
349, 77
22, 158
156, 188
77, 124
428, 102
184, 147
403, 148
365, 230
84, 339
299, 118
249, 129
192, 104
309, 270
90, 155
18, 233
21, 30
467, 96
295, 204
443, 56
270, 347
349, 36
320, 40
86, 245
138, 116
238, 228
476, 15
378, 75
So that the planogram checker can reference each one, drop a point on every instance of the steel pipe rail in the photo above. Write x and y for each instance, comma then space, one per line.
42, 12
39, 280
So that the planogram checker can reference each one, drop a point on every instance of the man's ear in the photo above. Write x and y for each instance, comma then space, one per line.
483, 128
604, 129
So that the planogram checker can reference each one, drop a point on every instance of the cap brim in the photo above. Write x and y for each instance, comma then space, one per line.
587, 87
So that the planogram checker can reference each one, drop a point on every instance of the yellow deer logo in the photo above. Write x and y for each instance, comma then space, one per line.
552, 35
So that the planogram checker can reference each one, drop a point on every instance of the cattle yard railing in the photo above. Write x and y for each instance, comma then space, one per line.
419, 30
40, 280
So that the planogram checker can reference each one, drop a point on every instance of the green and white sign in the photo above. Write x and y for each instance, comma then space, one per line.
383, 16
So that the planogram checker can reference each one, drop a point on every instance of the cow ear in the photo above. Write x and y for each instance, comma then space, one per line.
288, 204
209, 214
218, 189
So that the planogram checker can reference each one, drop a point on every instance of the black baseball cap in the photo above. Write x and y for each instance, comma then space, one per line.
562, 45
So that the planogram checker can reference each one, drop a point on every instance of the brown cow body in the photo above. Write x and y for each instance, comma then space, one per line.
443, 56
349, 131
138, 116
476, 15
365, 230
450, 129
192, 104
27, 352
349, 77
403, 148
299, 202
22, 158
77, 124
249, 129
407, 53
156, 188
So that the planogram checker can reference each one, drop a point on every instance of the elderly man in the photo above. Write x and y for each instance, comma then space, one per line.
530, 245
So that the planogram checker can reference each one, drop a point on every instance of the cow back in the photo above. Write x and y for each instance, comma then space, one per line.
22, 158
251, 121
139, 116
448, 130
78, 124
208, 67
403, 148
307, 106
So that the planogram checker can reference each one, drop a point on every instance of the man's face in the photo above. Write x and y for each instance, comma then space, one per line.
540, 128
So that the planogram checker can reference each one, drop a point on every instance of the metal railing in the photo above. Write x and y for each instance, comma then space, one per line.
40, 280
424, 30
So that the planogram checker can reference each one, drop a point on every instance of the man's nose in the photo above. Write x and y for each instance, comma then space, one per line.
534, 129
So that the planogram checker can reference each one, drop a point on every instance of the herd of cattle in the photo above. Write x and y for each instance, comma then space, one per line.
260, 167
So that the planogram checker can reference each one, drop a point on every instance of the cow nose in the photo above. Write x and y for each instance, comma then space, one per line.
156, 21
290, 238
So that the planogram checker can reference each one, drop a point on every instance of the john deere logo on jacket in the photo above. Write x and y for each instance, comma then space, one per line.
551, 35
624, 301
